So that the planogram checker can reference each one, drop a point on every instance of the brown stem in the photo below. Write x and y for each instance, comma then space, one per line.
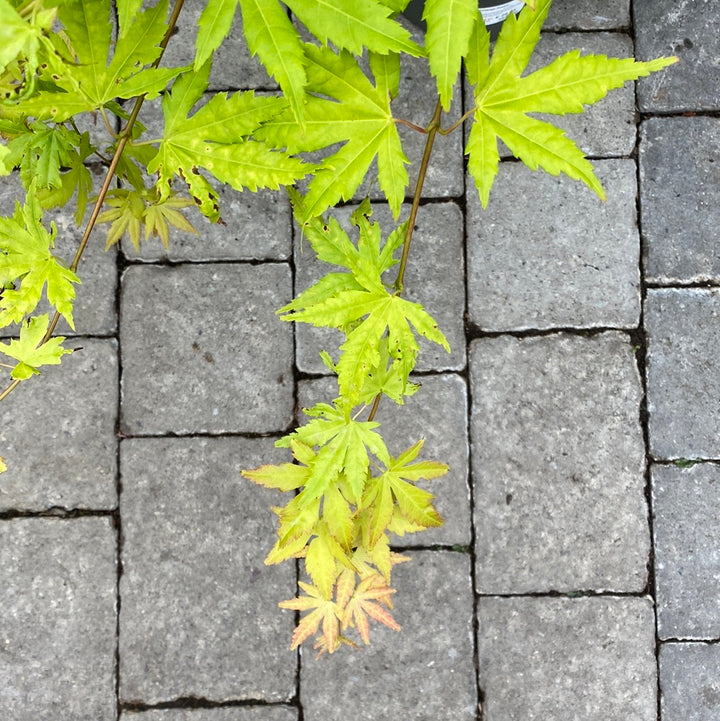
431, 131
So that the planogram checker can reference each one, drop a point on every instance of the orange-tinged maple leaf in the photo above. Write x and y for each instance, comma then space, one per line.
366, 601
323, 611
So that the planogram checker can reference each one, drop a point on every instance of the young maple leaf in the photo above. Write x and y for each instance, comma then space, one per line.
26, 261
503, 98
394, 493
372, 598
29, 350
322, 611
358, 115
344, 444
131, 210
360, 305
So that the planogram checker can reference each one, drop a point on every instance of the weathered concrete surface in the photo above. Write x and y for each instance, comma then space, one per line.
57, 619
687, 550
199, 613
682, 372
221, 361
581, 658
558, 465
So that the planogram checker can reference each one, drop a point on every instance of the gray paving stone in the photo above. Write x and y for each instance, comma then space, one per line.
438, 413
558, 465
685, 29
682, 372
546, 253
57, 619
424, 672
232, 65
679, 198
689, 681
586, 659
606, 129
202, 350
588, 15
57, 433
257, 226
199, 613
94, 311
434, 277
687, 555
239, 713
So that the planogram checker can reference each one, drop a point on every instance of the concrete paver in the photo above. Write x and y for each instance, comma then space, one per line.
682, 372
591, 659
71, 462
57, 619
547, 253
199, 613
687, 30
689, 684
588, 15
201, 328
558, 464
687, 555
680, 190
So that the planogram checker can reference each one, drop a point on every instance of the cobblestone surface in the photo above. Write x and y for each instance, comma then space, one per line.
578, 412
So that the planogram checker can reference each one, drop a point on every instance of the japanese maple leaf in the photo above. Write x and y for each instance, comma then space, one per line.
343, 444
343, 106
503, 98
372, 598
216, 139
360, 305
322, 611
26, 262
30, 352
94, 79
394, 492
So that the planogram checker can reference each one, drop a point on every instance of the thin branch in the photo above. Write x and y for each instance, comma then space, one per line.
432, 130
419, 128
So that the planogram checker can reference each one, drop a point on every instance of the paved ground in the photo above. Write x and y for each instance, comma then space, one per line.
577, 576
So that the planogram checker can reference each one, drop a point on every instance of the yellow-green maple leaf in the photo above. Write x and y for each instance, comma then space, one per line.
503, 98
30, 352
358, 115
27, 266
216, 139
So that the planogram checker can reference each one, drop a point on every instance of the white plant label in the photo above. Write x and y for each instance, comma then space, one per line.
498, 13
